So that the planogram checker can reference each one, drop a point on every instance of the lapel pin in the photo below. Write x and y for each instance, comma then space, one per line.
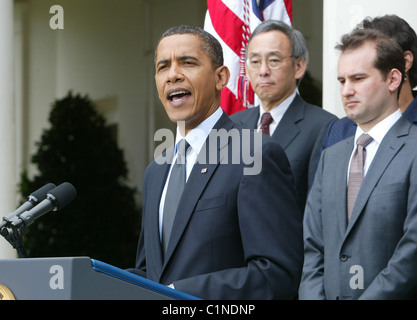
204, 170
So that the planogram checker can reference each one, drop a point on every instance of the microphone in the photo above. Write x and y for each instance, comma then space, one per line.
56, 199
33, 199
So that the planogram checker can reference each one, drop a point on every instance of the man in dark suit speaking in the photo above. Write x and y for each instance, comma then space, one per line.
233, 233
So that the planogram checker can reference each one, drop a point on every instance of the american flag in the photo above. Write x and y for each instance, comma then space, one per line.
231, 22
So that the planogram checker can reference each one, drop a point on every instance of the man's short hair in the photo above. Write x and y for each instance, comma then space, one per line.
298, 43
398, 29
209, 44
389, 54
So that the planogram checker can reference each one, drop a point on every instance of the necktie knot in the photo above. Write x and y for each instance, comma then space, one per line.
182, 148
364, 140
266, 119
265, 122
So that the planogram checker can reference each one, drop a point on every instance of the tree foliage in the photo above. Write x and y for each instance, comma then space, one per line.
103, 221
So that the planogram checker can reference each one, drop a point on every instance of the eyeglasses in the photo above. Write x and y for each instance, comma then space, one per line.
274, 62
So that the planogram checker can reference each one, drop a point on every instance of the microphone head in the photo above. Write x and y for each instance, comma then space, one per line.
40, 194
62, 195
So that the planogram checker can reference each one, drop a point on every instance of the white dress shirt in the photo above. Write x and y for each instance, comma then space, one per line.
378, 133
277, 113
196, 138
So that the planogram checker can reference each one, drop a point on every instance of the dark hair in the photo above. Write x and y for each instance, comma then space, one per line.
398, 29
209, 44
389, 54
298, 43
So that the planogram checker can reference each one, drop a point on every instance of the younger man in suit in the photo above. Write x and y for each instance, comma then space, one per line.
360, 237
234, 235
277, 58
398, 29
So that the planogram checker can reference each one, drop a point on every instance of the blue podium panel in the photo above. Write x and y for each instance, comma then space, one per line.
78, 278
140, 281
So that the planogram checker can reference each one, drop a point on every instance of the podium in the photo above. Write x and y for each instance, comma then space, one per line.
78, 278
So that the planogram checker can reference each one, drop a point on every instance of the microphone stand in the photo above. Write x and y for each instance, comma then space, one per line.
15, 237
15, 227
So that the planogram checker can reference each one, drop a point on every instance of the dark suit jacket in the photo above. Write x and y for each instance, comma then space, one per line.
375, 255
300, 134
235, 236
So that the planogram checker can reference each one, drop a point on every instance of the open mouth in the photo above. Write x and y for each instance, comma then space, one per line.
178, 95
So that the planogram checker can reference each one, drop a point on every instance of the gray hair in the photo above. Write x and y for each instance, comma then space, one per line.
298, 43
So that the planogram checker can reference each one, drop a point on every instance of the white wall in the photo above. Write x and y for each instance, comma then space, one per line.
7, 120
341, 17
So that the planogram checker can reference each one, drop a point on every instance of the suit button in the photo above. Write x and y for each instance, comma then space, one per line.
343, 258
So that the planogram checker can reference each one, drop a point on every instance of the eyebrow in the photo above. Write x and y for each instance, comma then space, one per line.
270, 53
362, 74
181, 58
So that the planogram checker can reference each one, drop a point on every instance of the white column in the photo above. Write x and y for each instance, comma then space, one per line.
8, 181
340, 17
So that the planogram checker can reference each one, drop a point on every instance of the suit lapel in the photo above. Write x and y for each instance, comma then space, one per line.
287, 129
197, 181
250, 118
388, 149
156, 188
341, 185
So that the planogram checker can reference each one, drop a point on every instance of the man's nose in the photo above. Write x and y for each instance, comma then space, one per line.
175, 73
347, 89
264, 69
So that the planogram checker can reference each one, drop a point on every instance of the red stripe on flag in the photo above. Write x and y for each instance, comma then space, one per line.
227, 25
229, 103
288, 6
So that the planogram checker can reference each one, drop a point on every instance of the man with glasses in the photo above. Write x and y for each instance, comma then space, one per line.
277, 59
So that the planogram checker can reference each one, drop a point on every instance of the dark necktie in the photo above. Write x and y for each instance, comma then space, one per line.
174, 191
356, 171
265, 122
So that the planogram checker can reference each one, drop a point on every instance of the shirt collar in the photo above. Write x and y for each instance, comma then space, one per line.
197, 136
280, 109
379, 131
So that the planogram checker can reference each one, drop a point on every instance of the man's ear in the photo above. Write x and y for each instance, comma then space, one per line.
300, 68
222, 77
409, 59
394, 78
